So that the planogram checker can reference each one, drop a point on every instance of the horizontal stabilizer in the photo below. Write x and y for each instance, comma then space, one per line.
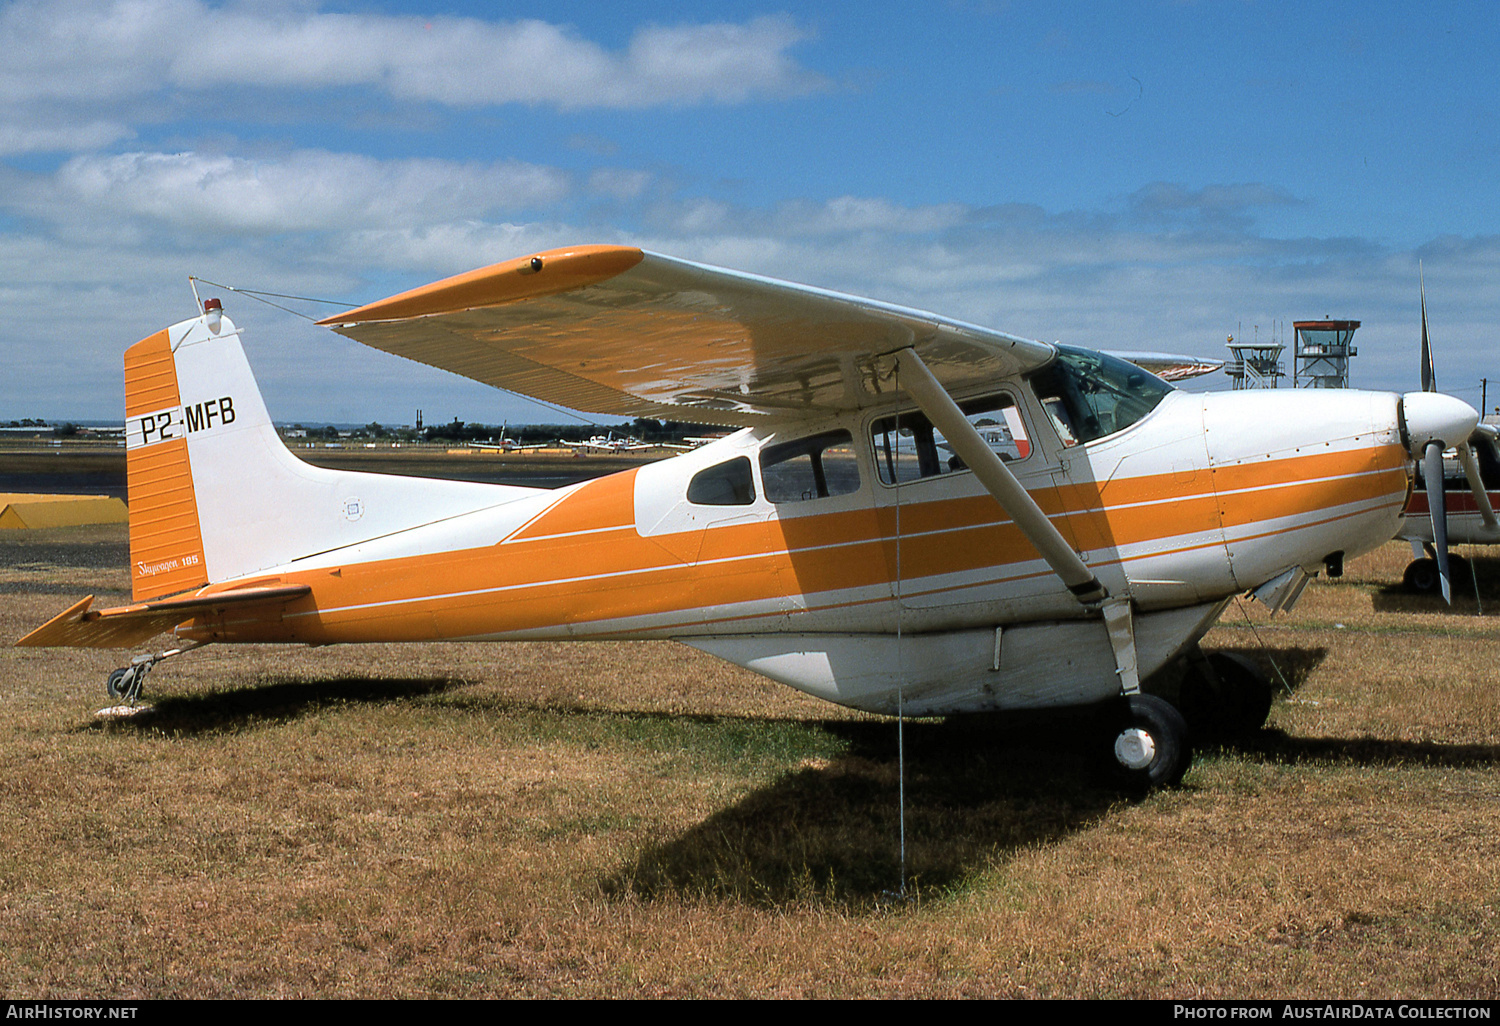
80, 626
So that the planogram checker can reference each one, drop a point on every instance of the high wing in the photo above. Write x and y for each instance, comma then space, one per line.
621, 331
1170, 366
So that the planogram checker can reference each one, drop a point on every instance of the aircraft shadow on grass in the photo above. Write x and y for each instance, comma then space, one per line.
1279, 747
979, 790
1273, 745
1394, 598
264, 704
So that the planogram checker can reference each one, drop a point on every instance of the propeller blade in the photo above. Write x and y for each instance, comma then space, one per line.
1432, 479
1476, 485
1429, 373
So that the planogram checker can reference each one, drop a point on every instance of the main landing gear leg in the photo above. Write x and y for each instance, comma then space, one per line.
1147, 737
125, 684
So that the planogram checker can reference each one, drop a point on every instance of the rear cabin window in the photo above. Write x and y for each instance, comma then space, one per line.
724, 484
1088, 395
908, 447
815, 467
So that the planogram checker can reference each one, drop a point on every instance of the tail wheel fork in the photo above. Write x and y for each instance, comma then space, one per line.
126, 683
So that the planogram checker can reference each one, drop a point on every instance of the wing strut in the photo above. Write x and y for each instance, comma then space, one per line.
1476, 485
997, 479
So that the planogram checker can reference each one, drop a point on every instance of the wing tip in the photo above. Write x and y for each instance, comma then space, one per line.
540, 274
59, 626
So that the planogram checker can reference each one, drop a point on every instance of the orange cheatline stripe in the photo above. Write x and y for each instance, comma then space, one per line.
560, 271
984, 536
555, 575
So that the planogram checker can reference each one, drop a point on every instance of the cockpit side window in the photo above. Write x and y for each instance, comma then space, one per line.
814, 467
1088, 395
908, 448
724, 484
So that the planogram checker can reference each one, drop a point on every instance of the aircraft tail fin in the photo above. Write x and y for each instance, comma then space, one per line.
215, 495
166, 539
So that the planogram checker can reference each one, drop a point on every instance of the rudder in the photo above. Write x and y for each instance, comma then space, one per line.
166, 541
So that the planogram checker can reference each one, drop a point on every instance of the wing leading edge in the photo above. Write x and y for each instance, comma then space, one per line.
620, 331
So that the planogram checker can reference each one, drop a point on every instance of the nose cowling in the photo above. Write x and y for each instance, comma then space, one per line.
1428, 417
1302, 474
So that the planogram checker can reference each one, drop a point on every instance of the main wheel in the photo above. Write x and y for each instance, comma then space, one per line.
1225, 695
1421, 577
1148, 744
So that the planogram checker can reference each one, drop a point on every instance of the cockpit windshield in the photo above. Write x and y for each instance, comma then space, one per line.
1089, 395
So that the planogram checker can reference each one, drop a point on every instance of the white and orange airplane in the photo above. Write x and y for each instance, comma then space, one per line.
917, 515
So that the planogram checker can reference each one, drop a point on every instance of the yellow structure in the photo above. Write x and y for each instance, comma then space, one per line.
21, 510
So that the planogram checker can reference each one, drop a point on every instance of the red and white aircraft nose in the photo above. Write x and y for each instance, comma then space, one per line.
1434, 417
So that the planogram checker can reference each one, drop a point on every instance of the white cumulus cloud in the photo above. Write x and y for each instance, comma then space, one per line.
66, 50
303, 192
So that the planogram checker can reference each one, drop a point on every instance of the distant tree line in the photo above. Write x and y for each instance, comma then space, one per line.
68, 430
643, 428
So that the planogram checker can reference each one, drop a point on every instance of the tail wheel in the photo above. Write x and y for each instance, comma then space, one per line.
1149, 745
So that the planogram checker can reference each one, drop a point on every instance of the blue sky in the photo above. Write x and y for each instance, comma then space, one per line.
1152, 175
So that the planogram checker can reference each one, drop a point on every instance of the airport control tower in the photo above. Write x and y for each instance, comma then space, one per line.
1254, 364
1323, 353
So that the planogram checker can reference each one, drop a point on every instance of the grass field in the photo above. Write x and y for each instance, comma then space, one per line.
629, 820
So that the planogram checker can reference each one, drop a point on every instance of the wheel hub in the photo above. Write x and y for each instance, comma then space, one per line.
1134, 748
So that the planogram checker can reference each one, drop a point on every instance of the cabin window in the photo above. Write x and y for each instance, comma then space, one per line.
908, 447
1088, 395
724, 484
810, 468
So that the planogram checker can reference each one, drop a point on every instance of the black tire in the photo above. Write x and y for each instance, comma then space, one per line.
112, 685
1228, 698
1148, 746
1421, 577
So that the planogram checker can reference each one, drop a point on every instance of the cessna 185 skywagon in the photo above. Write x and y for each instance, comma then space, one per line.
918, 515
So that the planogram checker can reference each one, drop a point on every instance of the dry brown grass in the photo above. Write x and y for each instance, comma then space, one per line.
639, 820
